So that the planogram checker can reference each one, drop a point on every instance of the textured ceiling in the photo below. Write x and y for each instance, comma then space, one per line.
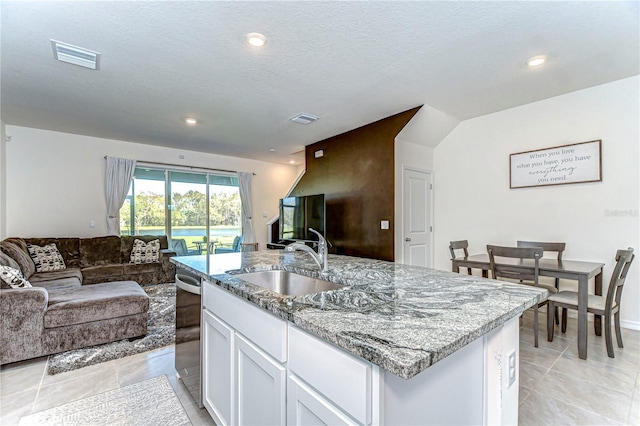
350, 63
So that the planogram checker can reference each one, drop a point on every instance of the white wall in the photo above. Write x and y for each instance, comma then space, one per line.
55, 181
428, 127
471, 181
3, 181
407, 155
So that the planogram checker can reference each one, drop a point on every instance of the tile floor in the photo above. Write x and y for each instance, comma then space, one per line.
26, 388
555, 386
558, 388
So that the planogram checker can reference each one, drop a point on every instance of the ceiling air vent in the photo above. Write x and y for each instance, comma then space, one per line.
303, 118
75, 55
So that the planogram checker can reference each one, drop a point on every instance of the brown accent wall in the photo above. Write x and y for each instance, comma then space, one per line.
356, 174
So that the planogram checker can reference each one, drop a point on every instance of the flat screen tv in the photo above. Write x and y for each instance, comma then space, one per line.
298, 214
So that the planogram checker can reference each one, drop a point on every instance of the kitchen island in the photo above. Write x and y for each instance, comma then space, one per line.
396, 345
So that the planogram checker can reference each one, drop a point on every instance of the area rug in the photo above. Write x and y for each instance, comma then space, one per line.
152, 402
161, 332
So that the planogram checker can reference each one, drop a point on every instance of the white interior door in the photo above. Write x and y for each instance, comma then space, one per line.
416, 215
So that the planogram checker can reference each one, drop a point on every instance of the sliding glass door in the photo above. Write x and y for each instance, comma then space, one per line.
143, 212
178, 203
187, 210
225, 222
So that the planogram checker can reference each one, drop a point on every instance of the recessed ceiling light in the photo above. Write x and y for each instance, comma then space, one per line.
536, 61
256, 39
190, 121
272, 150
292, 161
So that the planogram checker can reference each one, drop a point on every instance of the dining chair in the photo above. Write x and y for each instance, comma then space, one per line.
548, 247
179, 245
524, 275
235, 246
459, 245
606, 306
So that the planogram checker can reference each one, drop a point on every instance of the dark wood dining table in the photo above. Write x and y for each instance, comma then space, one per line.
576, 270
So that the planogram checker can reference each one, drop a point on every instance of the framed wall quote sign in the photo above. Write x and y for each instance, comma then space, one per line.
560, 165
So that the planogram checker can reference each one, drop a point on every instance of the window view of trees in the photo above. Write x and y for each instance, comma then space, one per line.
225, 209
144, 210
149, 209
144, 205
188, 209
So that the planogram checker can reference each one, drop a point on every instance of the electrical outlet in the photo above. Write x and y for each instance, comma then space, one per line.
512, 368
384, 224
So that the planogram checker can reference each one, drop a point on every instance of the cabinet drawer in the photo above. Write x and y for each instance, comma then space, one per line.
306, 407
262, 328
342, 378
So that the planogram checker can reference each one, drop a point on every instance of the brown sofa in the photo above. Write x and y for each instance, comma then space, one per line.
96, 260
62, 311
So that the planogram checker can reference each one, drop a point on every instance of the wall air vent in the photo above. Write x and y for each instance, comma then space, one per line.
303, 118
75, 55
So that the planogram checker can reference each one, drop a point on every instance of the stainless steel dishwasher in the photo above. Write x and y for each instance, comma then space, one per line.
187, 349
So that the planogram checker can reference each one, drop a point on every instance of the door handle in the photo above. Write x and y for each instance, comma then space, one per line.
407, 239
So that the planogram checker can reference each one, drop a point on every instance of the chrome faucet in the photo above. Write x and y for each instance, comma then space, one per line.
320, 257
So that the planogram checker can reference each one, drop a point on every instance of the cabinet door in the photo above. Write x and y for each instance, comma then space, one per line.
260, 391
307, 407
344, 380
217, 369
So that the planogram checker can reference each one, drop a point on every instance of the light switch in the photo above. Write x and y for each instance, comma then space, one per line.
319, 153
384, 224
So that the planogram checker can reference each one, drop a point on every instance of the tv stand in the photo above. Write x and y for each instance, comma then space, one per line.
280, 245
276, 246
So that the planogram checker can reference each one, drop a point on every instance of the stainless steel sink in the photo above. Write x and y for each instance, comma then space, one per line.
288, 283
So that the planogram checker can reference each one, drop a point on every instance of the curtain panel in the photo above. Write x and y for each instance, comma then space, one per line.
244, 183
118, 179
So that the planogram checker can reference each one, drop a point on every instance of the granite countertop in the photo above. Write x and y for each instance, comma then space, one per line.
399, 317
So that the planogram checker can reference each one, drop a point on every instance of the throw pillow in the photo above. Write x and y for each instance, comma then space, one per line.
145, 252
16, 248
46, 258
6, 260
12, 278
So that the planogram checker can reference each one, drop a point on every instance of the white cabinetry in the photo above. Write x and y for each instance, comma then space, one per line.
339, 384
306, 407
217, 369
260, 369
260, 395
244, 348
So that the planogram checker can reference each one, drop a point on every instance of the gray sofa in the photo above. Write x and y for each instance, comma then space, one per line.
95, 260
95, 300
